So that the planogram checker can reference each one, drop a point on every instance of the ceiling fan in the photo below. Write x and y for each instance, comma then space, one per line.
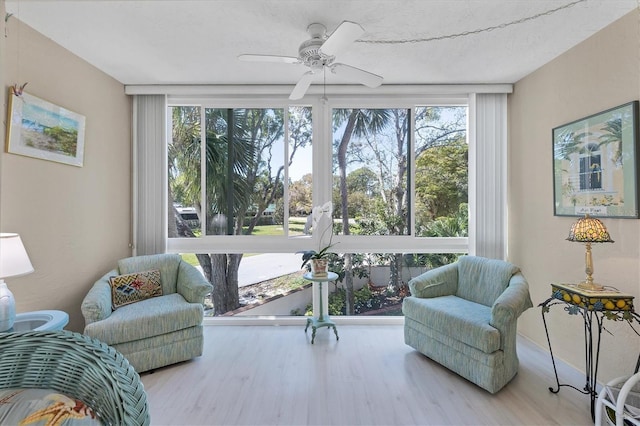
319, 53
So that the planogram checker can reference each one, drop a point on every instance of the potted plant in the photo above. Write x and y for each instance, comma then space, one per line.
318, 261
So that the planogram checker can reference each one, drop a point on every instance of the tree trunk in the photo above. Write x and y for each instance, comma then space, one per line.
399, 195
233, 294
172, 230
219, 282
344, 211
224, 278
395, 272
205, 264
178, 227
349, 303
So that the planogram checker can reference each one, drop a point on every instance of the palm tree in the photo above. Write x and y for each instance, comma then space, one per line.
613, 135
240, 178
227, 194
568, 142
223, 166
449, 226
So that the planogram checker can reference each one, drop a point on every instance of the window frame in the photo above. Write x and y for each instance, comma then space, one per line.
323, 179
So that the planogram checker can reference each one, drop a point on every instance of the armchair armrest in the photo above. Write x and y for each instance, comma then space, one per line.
192, 285
96, 305
511, 303
442, 281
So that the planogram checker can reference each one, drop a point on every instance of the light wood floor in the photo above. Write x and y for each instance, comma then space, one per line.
273, 375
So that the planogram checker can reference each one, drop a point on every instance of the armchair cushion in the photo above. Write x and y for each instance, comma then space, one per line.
131, 288
469, 320
441, 281
151, 317
482, 280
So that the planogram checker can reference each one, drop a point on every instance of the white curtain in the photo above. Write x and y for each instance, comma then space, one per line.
149, 174
488, 126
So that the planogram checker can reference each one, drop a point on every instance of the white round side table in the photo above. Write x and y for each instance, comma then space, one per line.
40, 320
322, 320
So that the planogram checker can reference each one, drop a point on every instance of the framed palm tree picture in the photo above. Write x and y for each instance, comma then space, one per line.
595, 164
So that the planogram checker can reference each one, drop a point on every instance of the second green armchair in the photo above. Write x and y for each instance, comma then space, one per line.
464, 316
156, 331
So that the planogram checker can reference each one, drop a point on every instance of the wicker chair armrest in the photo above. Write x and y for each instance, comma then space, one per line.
77, 366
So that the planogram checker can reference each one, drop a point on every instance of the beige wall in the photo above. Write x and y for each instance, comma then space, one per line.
74, 221
600, 73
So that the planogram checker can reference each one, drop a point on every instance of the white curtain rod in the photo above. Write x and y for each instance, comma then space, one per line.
284, 89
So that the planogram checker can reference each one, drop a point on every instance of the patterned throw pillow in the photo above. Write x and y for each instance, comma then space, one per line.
131, 288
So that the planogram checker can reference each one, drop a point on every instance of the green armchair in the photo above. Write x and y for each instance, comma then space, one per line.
157, 331
464, 316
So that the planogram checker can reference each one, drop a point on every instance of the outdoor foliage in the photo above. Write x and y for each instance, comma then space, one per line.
366, 300
66, 140
244, 167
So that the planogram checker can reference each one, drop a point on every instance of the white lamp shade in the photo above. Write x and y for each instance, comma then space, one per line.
14, 260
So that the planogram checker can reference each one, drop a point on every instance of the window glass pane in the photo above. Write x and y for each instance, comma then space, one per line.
442, 172
184, 172
272, 284
245, 171
300, 179
370, 149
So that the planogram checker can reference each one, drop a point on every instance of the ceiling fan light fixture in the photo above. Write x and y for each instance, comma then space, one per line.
319, 52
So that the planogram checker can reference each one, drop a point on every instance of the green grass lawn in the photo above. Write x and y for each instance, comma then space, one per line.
267, 230
296, 227
190, 258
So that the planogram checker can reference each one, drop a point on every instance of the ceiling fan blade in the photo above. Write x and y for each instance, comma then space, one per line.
268, 58
357, 75
302, 86
345, 34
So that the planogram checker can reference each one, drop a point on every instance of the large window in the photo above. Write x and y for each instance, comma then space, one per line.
237, 176
244, 180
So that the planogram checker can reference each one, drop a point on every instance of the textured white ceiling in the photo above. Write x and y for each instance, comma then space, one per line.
197, 42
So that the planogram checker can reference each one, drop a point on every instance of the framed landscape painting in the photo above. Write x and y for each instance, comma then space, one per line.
37, 128
595, 164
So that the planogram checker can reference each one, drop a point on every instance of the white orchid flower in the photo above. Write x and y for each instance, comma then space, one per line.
324, 210
320, 216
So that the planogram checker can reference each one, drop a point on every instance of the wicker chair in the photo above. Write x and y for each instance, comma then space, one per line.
77, 366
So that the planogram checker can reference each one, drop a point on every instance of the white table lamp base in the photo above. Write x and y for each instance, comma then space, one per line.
7, 307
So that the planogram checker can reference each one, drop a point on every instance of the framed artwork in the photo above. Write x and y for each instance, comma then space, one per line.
595, 164
39, 129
